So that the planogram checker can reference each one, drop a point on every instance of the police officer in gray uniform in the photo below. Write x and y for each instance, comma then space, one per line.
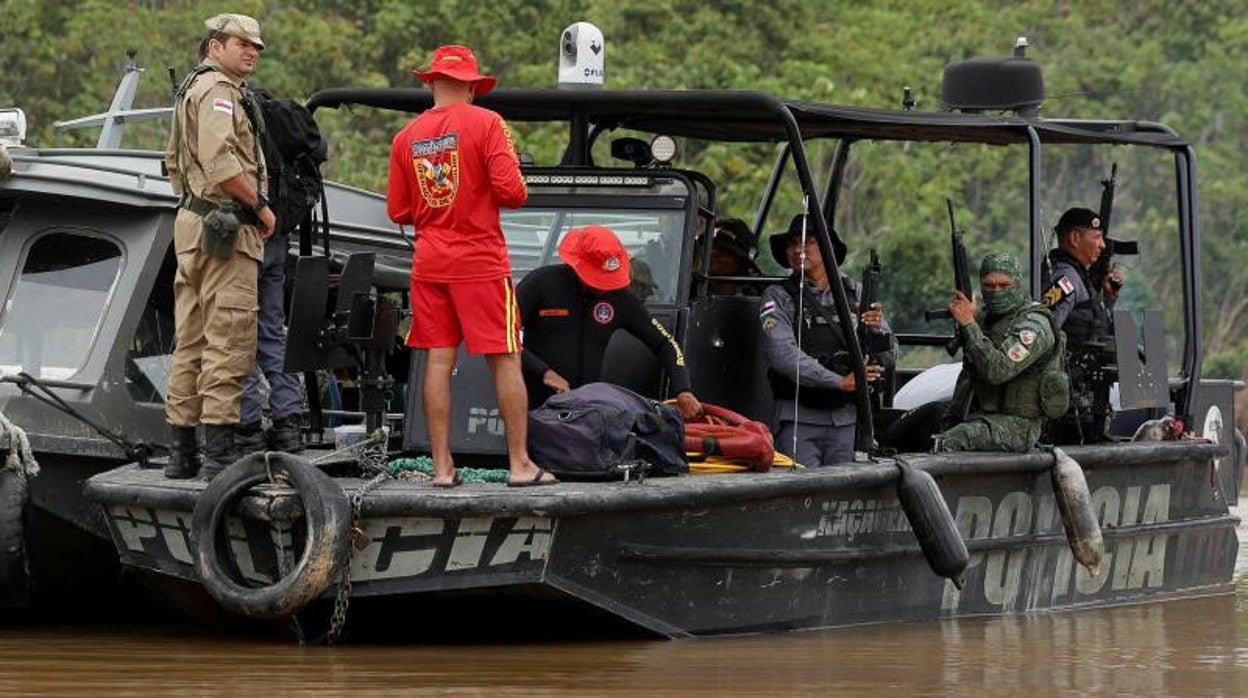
811, 380
285, 395
1083, 309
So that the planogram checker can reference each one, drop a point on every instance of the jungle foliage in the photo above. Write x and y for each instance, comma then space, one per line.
1152, 60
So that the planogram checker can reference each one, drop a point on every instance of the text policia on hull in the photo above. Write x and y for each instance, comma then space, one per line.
351, 532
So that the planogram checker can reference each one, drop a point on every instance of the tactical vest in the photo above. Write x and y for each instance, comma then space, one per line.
821, 339
1088, 320
1032, 391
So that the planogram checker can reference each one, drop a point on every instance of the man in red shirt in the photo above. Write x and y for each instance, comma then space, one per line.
451, 168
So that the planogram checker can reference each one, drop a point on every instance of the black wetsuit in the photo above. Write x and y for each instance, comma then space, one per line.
567, 326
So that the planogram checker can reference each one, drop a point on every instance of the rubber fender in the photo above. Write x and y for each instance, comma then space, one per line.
728, 434
932, 523
14, 565
327, 519
1074, 503
1241, 460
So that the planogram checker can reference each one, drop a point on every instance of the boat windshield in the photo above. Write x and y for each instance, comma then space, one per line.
653, 238
53, 312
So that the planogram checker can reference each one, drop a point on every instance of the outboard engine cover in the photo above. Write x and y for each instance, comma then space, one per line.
581, 57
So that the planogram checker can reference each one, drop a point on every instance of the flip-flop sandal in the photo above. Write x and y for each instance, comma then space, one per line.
456, 481
537, 480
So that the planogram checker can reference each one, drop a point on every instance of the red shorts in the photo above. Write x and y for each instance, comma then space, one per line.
484, 314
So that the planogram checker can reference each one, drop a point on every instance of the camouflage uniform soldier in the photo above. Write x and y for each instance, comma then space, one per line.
1012, 374
216, 167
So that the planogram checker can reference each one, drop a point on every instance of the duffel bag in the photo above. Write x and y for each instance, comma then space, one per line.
600, 431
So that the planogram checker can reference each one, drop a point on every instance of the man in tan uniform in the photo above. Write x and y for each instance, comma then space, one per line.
216, 166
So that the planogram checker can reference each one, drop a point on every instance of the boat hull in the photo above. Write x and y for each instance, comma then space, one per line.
731, 554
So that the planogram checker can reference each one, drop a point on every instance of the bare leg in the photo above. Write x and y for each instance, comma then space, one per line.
513, 406
438, 367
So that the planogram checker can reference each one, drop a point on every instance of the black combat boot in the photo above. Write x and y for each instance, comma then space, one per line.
184, 459
219, 450
249, 438
285, 434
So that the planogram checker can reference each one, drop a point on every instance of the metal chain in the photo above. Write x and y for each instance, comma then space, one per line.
339, 617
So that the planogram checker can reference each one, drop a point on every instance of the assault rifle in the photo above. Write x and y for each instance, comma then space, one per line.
1104, 263
870, 338
961, 279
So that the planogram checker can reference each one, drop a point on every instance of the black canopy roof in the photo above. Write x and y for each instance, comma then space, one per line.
751, 116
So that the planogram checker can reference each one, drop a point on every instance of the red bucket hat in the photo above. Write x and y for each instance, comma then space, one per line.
458, 63
597, 256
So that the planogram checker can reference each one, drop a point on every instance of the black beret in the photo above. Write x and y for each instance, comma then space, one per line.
1078, 218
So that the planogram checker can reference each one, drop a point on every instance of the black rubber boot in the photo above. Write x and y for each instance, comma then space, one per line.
184, 459
219, 450
249, 438
286, 435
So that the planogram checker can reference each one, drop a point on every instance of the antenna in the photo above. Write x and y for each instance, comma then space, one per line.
907, 98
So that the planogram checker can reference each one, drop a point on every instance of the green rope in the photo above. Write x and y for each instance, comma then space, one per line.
424, 464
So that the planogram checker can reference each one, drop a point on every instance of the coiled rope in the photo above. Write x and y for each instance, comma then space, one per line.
19, 456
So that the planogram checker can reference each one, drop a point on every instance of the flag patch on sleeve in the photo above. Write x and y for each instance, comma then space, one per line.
224, 106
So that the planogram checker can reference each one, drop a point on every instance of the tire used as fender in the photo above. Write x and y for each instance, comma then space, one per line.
327, 518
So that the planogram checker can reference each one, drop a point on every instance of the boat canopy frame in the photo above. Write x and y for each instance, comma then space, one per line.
746, 116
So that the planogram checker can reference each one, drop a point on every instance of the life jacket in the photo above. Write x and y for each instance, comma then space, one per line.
821, 339
1088, 320
1042, 389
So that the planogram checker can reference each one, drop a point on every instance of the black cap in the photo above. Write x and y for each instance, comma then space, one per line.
735, 237
1078, 218
780, 241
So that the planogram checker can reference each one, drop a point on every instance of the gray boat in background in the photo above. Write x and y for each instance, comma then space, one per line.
86, 336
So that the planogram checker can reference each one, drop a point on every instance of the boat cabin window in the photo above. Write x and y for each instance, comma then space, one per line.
652, 239
151, 350
54, 311
650, 219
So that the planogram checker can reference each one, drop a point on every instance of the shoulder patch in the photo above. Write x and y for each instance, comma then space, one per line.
1027, 337
225, 106
1064, 283
1017, 353
768, 323
1055, 295
767, 308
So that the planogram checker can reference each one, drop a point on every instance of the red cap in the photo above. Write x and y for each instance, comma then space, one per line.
457, 63
597, 256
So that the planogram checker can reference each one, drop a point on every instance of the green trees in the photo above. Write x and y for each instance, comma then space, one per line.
1180, 63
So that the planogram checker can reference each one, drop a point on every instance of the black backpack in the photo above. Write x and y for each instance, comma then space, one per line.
293, 152
601, 431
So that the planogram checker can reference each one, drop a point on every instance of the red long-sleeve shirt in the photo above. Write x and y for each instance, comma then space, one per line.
451, 168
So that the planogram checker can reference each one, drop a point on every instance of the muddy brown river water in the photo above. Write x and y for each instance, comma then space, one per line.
1179, 648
